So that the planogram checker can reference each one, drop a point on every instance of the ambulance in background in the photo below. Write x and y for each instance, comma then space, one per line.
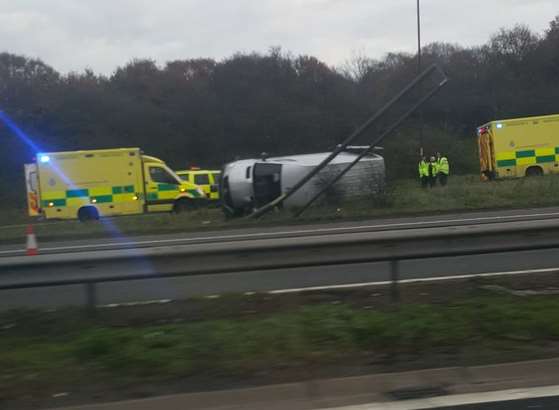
90, 184
519, 147
207, 179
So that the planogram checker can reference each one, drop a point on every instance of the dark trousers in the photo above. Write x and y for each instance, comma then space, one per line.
424, 181
432, 181
443, 178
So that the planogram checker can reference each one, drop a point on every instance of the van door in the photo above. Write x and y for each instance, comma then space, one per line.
266, 182
161, 188
202, 179
214, 188
32, 185
486, 153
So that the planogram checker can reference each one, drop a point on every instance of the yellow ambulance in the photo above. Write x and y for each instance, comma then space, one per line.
206, 179
519, 147
89, 184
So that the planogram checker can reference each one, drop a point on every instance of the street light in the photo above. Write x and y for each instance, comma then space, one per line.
419, 71
418, 38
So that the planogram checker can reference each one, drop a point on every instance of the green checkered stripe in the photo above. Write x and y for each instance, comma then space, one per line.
163, 191
526, 157
86, 194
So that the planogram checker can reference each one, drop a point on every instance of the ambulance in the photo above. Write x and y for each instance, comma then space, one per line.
207, 179
86, 185
519, 147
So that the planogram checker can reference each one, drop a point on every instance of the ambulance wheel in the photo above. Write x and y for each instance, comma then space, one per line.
534, 172
88, 213
183, 205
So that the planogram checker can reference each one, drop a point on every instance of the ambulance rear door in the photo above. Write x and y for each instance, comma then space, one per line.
32, 188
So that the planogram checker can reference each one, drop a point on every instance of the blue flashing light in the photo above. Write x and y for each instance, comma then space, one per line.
44, 158
18, 132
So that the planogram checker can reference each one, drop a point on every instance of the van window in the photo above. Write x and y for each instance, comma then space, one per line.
184, 177
161, 176
201, 179
217, 177
248, 172
33, 185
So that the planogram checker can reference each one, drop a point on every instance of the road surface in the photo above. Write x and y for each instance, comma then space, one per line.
285, 279
280, 279
405, 223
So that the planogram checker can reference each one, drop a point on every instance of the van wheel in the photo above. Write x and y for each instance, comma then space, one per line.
534, 172
183, 205
88, 213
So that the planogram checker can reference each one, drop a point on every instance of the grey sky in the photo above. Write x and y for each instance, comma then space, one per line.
103, 34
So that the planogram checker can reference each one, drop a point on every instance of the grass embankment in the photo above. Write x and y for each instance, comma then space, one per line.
402, 197
43, 353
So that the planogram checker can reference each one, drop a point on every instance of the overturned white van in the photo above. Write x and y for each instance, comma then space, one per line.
251, 183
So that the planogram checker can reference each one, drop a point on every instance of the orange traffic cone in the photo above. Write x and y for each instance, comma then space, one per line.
31, 248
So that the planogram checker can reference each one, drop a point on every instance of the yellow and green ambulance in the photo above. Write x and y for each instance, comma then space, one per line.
519, 147
207, 179
90, 184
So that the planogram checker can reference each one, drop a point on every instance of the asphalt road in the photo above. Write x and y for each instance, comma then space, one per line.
177, 288
272, 280
239, 234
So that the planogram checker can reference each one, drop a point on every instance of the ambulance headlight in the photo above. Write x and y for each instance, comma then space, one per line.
44, 158
94, 201
183, 189
499, 125
51, 204
135, 197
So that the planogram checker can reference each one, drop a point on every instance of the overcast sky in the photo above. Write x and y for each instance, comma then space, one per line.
103, 34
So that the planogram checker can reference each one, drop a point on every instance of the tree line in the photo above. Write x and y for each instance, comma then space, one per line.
205, 112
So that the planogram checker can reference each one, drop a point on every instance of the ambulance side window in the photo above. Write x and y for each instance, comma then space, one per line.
201, 179
161, 176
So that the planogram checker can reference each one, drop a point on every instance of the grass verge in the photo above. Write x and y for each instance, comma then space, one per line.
404, 197
42, 353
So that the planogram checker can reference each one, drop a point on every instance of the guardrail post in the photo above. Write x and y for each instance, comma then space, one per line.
91, 297
394, 279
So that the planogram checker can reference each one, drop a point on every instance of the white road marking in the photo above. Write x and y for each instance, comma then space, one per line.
138, 303
293, 232
418, 280
347, 286
460, 399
